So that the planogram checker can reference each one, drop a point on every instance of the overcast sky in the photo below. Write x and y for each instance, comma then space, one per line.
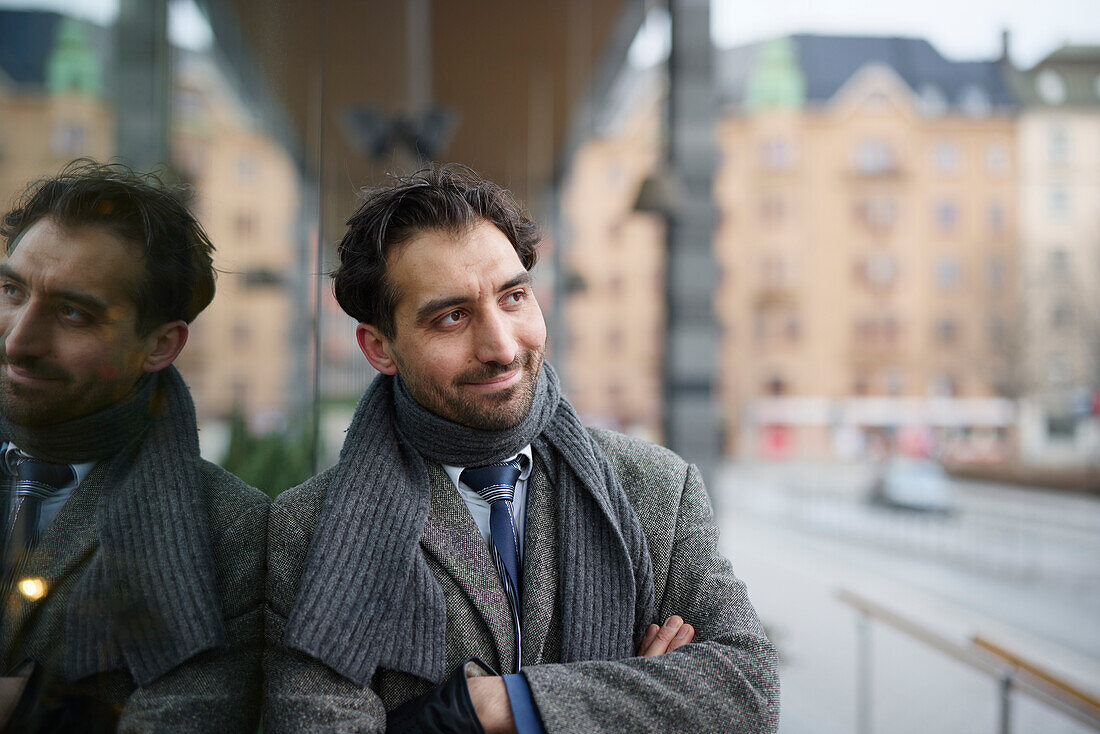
960, 29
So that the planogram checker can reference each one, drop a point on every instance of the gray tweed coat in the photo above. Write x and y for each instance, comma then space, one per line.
215, 691
726, 681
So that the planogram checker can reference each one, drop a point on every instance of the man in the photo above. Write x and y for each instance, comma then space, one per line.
473, 527
132, 570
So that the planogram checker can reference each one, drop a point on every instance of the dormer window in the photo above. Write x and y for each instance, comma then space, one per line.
1051, 87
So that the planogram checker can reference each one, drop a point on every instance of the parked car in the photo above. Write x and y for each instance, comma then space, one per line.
913, 484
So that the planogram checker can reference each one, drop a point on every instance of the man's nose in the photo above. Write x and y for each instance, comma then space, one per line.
495, 340
24, 332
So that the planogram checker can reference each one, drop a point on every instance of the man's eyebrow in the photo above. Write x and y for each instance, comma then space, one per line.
425, 312
522, 279
7, 272
434, 306
89, 303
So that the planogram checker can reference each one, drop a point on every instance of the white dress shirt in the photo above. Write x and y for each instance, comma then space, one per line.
48, 509
479, 508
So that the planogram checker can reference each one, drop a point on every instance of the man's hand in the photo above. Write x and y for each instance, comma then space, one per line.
659, 640
490, 699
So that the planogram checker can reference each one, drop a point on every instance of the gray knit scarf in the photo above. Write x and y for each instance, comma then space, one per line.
367, 597
148, 599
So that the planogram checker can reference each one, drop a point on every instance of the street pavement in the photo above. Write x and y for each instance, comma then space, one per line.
1018, 567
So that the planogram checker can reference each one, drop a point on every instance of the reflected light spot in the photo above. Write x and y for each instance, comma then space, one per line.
32, 588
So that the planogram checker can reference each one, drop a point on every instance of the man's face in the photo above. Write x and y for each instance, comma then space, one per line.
469, 336
68, 339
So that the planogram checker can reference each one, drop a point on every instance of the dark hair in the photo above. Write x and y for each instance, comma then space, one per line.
451, 198
138, 208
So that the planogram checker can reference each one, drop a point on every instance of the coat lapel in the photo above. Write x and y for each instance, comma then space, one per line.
452, 539
67, 543
540, 574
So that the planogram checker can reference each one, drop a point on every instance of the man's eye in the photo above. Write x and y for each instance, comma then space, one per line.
10, 291
72, 314
452, 318
516, 296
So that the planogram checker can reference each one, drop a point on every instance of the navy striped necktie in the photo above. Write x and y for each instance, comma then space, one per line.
35, 482
496, 483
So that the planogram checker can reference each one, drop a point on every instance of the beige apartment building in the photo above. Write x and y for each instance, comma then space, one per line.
238, 358
614, 309
1059, 154
54, 107
865, 248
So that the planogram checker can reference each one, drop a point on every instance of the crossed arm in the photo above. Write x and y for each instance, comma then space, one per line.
490, 698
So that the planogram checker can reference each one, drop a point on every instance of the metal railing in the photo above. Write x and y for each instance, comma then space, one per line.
1013, 672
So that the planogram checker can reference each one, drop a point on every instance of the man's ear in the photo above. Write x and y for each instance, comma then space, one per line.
167, 341
376, 348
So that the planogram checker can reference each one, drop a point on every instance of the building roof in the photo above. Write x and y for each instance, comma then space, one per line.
26, 43
826, 63
1070, 76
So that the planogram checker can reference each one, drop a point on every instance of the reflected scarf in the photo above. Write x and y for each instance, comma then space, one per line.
367, 598
148, 600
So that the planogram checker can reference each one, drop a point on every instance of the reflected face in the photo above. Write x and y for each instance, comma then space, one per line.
469, 336
68, 326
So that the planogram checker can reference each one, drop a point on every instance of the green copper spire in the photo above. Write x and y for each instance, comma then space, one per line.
776, 79
73, 65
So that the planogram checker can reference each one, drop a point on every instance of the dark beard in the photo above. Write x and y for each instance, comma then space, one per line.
499, 411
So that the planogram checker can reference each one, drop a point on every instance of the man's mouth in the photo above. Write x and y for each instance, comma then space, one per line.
30, 378
498, 381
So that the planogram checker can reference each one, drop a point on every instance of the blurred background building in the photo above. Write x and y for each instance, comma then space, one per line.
824, 262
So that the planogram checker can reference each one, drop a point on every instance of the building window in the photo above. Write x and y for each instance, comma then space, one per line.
894, 379
946, 332
943, 385
1059, 264
246, 169
241, 334
975, 101
792, 329
871, 331
1059, 201
998, 330
1058, 368
995, 273
948, 273
190, 105
932, 100
996, 159
773, 209
1051, 87
245, 225
947, 215
875, 158
877, 213
997, 218
68, 138
879, 270
773, 271
1058, 144
946, 157
778, 154
1061, 427
1061, 316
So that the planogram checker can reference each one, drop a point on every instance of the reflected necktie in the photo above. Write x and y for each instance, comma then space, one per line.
496, 483
35, 481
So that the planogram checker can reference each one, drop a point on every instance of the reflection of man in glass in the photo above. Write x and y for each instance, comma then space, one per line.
132, 569
471, 515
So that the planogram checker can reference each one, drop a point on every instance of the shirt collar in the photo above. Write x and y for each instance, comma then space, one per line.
455, 472
10, 453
